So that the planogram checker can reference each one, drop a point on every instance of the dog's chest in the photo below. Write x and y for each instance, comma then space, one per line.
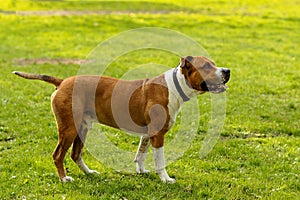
174, 103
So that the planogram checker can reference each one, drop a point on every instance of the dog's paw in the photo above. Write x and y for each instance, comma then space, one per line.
93, 172
67, 179
164, 177
140, 169
170, 180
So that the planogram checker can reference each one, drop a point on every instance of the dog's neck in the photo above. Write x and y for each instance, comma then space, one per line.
177, 94
180, 86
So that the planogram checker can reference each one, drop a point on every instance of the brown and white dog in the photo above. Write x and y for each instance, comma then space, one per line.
147, 107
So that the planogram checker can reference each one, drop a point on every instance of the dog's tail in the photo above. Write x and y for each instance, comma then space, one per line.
49, 79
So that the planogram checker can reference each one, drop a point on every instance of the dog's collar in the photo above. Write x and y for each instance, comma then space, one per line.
178, 87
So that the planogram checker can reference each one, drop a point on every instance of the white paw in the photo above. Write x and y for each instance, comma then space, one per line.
164, 177
67, 179
170, 180
140, 169
93, 172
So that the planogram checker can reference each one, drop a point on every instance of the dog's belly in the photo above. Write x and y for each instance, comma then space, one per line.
121, 121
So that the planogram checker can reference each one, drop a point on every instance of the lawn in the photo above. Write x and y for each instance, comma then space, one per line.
257, 153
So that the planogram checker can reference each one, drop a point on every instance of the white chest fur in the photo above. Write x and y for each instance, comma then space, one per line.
175, 100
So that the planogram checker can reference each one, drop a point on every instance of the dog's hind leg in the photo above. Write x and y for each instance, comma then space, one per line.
62, 147
77, 148
141, 154
67, 132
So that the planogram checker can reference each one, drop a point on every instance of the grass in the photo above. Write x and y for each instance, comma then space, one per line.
257, 155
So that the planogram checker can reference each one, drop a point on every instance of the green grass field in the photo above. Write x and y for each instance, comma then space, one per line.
257, 155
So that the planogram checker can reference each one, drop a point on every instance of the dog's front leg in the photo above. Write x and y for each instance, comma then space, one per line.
157, 128
141, 155
157, 142
160, 167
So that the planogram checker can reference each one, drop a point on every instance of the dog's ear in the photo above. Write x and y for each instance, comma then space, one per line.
185, 62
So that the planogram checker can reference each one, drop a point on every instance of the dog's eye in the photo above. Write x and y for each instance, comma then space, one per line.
207, 66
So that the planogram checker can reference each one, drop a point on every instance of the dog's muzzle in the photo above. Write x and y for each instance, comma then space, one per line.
218, 86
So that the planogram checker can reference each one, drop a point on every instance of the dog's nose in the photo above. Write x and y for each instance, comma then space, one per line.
226, 74
226, 71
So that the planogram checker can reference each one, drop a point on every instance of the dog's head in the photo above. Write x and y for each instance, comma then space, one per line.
203, 75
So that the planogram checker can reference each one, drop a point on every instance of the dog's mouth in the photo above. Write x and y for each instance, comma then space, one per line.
213, 88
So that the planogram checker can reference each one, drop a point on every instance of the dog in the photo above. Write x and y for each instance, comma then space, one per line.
147, 107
